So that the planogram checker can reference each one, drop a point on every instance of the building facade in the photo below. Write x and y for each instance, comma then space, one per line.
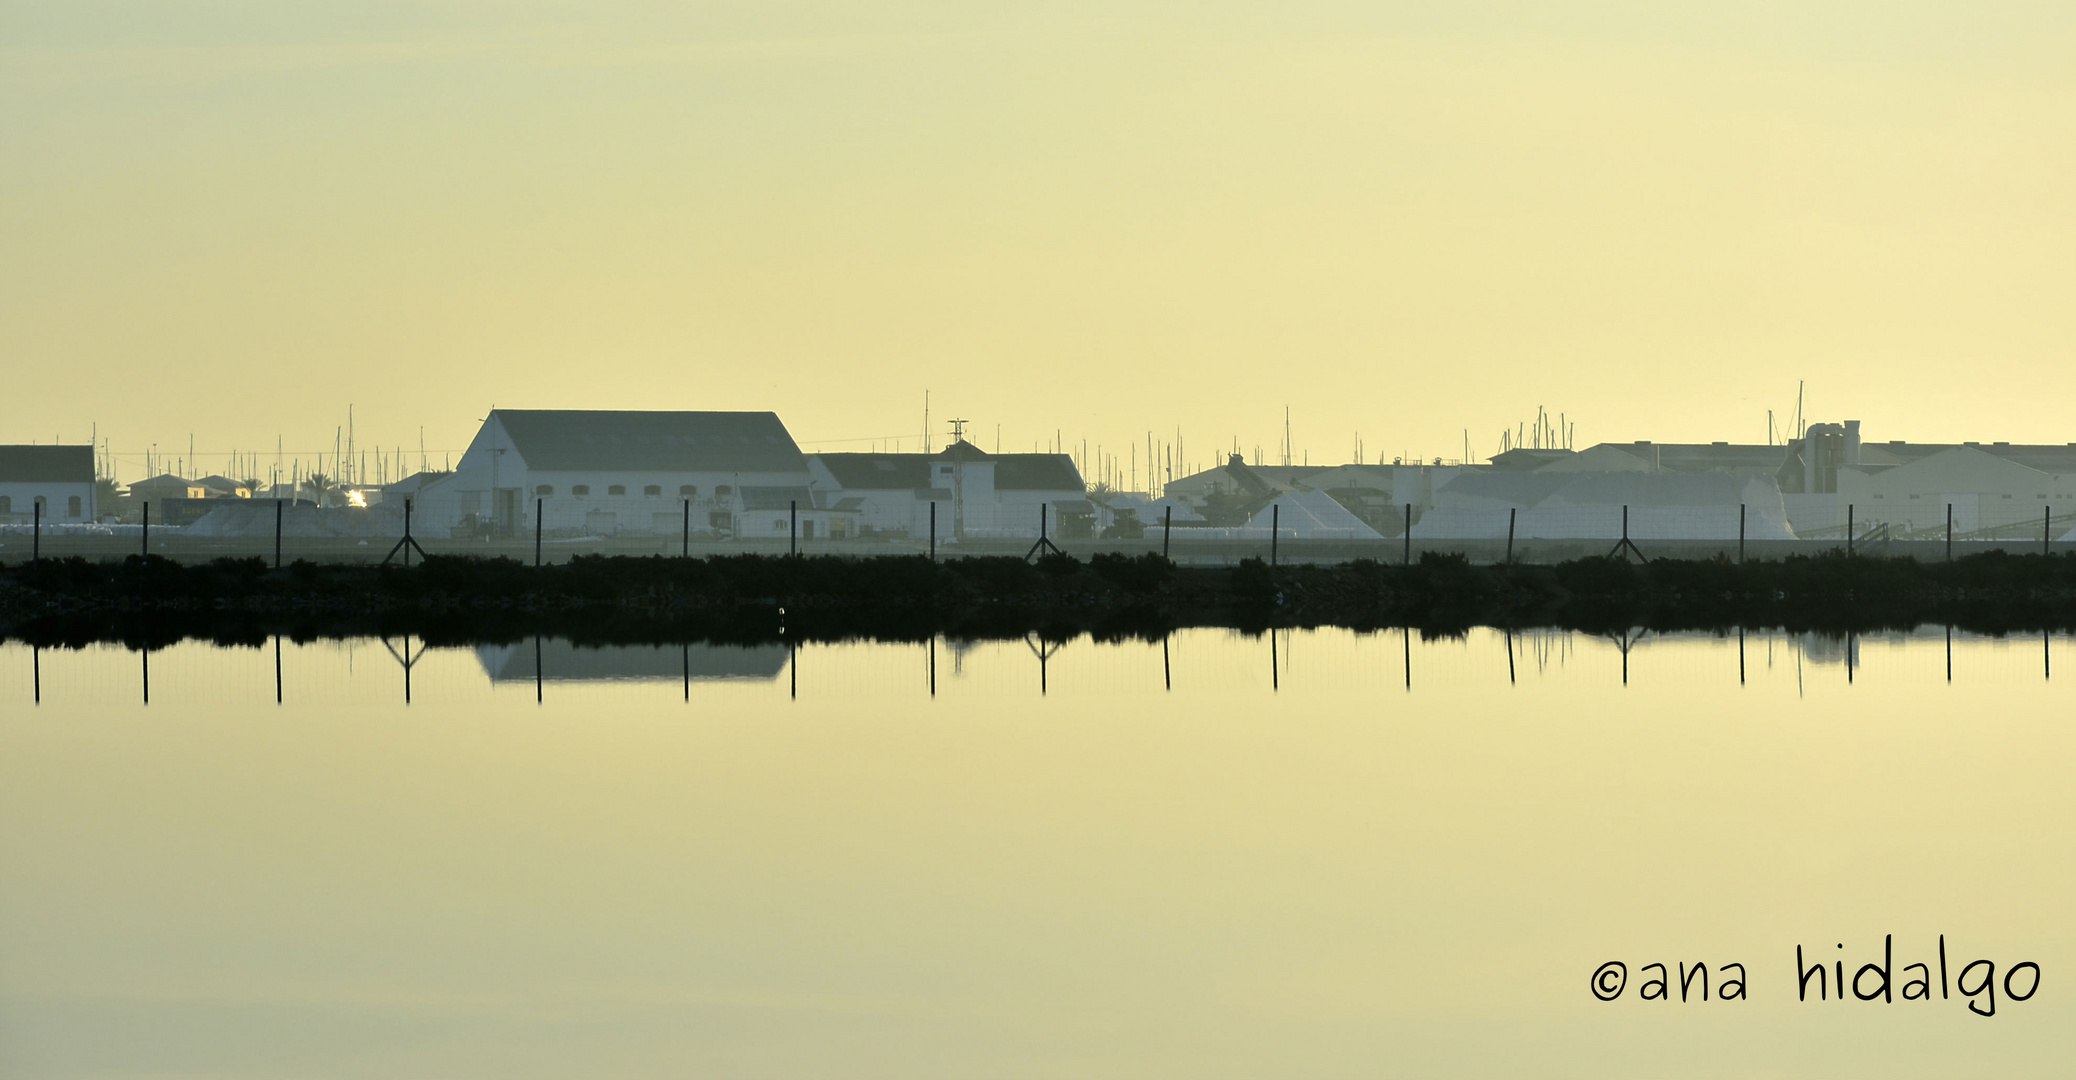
618, 473
59, 479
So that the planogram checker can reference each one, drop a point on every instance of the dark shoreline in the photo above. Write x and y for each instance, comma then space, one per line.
154, 602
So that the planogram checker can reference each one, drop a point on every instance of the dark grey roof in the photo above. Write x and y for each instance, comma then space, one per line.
878, 472
775, 498
47, 464
161, 482
579, 440
1036, 472
911, 472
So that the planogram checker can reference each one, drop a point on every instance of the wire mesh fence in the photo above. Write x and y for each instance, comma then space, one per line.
282, 535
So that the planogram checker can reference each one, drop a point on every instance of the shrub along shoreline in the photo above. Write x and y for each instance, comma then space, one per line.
148, 600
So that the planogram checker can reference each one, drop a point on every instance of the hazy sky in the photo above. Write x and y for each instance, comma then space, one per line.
231, 219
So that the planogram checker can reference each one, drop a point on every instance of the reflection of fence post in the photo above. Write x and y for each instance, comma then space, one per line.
1167, 528
277, 534
1275, 526
1511, 510
1740, 533
1408, 558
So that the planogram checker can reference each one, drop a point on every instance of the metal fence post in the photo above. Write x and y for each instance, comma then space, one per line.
1511, 510
144, 548
1167, 529
538, 506
1409, 535
685, 546
1848, 528
1275, 527
1949, 532
36, 532
2046, 530
933, 528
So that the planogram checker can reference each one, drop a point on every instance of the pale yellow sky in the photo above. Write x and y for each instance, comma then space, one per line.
232, 219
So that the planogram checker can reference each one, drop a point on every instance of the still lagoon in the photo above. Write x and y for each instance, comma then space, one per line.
1306, 853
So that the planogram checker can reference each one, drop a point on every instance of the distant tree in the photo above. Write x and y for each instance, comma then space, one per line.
322, 487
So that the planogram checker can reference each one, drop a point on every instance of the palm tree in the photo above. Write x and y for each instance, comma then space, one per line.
321, 486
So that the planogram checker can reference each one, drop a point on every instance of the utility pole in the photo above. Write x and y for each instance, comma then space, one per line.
958, 453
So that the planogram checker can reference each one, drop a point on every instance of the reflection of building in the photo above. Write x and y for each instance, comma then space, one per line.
59, 478
977, 494
561, 661
606, 473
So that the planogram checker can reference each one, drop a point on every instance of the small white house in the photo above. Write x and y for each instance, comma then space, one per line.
618, 473
60, 479
977, 494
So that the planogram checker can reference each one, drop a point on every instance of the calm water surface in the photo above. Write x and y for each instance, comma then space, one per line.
1322, 854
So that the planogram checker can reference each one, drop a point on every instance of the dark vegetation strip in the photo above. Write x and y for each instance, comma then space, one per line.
754, 598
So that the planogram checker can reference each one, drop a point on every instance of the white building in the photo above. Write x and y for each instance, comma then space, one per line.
977, 494
616, 473
58, 478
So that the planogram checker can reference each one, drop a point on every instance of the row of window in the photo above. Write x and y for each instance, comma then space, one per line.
72, 505
653, 491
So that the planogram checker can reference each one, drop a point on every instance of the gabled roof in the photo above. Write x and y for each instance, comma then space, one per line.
47, 464
163, 482
776, 498
1036, 472
586, 440
911, 472
878, 472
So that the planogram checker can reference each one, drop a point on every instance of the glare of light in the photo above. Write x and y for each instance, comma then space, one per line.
355, 498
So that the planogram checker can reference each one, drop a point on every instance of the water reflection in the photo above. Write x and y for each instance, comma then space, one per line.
1210, 852
557, 660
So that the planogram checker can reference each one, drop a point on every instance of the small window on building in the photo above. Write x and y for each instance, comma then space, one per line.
617, 489
6, 505
72, 506
723, 491
580, 490
778, 523
688, 491
2007, 496
1916, 496
42, 503
544, 490
653, 491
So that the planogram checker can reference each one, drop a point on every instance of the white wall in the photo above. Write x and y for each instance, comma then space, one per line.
21, 500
